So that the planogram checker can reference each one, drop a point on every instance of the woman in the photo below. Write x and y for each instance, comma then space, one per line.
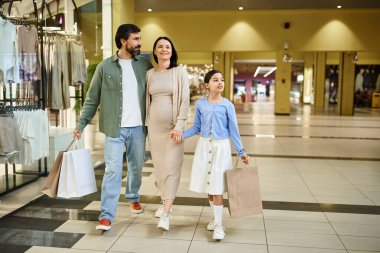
167, 109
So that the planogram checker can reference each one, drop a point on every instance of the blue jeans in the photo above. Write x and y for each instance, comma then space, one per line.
133, 138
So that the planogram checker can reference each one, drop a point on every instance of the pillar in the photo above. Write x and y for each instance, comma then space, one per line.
282, 85
69, 16
346, 88
307, 91
228, 76
223, 61
108, 37
320, 78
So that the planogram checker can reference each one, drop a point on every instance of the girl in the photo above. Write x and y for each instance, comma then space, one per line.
215, 120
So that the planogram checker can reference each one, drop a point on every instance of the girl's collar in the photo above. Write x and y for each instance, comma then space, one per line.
218, 102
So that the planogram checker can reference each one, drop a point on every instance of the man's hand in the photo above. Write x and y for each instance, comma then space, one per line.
77, 134
176, 136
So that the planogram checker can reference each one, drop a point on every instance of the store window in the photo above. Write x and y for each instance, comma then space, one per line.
254, 82
196, 73
89, 25
367, 86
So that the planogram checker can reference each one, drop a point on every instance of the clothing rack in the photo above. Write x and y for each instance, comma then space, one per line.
25, 103
62, 34
54, 32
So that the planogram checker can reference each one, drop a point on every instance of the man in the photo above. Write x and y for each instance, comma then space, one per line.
118, 86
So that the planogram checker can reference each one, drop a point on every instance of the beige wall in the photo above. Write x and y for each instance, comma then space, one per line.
122, 13
195, 57
311, 30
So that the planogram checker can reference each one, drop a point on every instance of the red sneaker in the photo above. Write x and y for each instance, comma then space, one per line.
135, 207
104, 224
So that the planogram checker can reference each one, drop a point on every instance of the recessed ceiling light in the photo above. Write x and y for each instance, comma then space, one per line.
257, 71
270, 71
150, 10
339, 6
241, 8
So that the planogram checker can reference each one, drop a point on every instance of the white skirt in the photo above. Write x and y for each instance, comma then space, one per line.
211, 160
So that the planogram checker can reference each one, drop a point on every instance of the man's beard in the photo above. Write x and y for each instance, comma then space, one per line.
133, 51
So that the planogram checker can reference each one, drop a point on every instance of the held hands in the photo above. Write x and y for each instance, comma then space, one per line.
245, 159
77, 134
176, 136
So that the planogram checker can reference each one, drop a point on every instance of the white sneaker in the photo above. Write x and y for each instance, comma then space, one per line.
211, 225
218, 232
159, 211
164, 222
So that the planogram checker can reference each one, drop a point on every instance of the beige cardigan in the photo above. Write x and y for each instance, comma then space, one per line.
181, 96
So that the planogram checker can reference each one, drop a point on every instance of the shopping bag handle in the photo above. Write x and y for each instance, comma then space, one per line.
77, 144
71, 143
237, 160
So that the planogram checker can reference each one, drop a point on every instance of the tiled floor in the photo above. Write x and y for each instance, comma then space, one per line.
320, 185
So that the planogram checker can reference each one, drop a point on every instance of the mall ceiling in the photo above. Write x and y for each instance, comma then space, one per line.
203, 5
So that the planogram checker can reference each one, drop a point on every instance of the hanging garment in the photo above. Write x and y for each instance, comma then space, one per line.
78, 64
10, 138
359, 81
27, 38
8, 53
60, 76
34, 130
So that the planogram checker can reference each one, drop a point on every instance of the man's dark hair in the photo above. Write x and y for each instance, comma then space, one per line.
210, 74
173, 58
123, 32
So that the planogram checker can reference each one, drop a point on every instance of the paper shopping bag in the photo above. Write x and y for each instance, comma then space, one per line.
50, 186
77, 177
243, 190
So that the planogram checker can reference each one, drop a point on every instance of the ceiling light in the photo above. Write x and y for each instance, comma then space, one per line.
150, 10
339, 6
270, 71
257, 71
241, 8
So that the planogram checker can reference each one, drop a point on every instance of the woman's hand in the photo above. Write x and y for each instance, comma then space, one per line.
176, 136
245, 159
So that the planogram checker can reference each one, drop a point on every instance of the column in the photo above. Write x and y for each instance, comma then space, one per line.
223, 61
346, 88
228, 76
69, 16
320, 78
307, 91
282, 85
108, 38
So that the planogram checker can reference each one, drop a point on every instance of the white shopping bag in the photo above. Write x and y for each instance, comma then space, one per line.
77, 177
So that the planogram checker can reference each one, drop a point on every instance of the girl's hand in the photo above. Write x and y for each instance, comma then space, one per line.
245, 159
176, 136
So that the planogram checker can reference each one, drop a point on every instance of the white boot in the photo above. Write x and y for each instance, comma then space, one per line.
218, 228
164, 221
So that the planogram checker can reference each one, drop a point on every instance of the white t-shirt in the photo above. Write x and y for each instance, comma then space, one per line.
131, 114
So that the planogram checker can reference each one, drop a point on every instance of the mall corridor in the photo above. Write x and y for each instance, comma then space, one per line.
319, 177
